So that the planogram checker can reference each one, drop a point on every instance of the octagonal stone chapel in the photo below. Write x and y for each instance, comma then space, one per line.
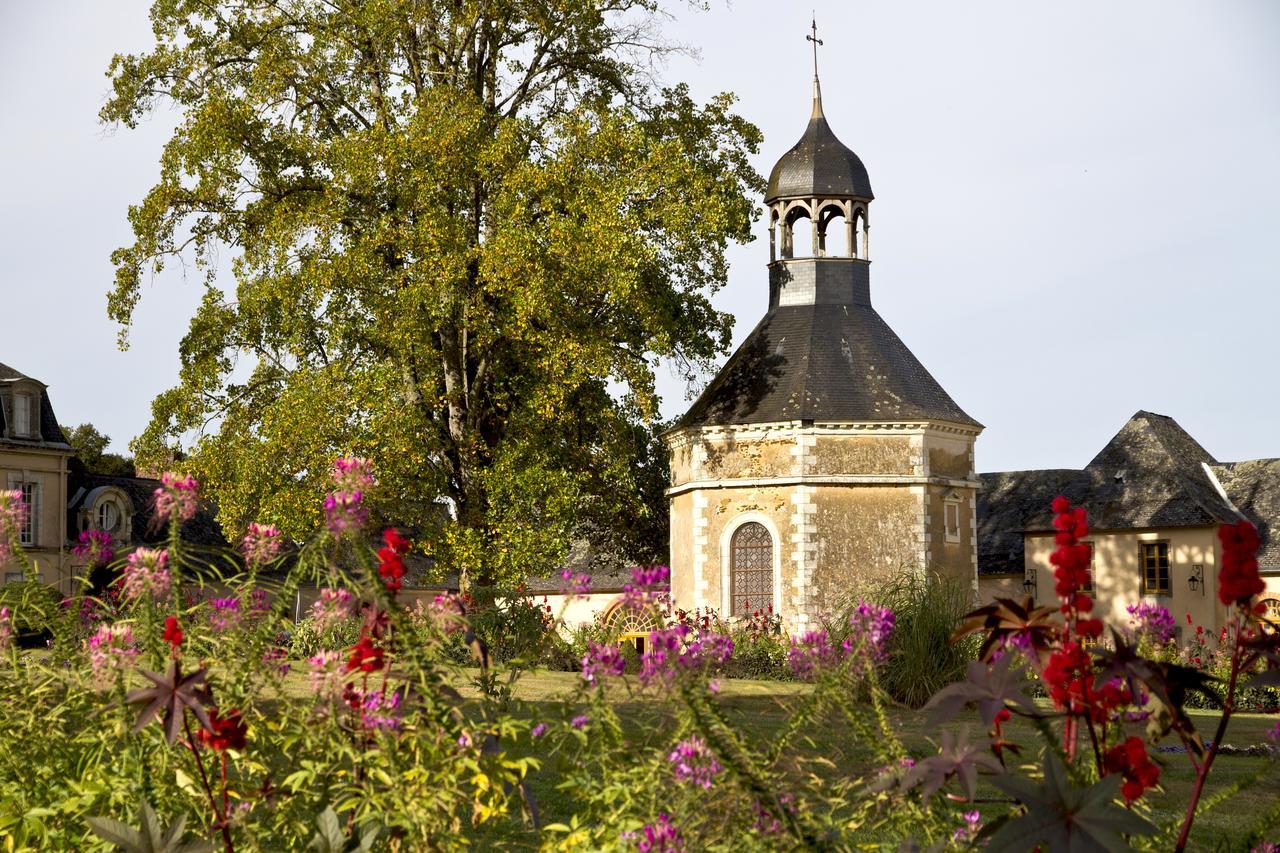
823, 455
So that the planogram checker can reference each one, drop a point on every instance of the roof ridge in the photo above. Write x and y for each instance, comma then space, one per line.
1265, 460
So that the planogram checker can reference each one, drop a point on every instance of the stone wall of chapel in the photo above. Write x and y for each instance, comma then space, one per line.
682, 462
742, 457
724, 511
949, 455
866, 454
864, 534
947, 556
682, 549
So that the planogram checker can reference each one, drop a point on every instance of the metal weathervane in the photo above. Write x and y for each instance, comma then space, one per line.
816, 43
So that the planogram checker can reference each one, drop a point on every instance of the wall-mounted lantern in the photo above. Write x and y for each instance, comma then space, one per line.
1196, 579
1029, 583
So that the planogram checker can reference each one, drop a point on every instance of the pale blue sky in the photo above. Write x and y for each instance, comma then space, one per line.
1076, 217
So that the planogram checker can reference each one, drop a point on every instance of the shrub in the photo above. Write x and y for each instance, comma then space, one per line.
35, 607
922, 658
309, 637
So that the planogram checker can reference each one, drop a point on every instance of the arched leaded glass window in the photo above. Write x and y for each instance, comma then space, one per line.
750, 569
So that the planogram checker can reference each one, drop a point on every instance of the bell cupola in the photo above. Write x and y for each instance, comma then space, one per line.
818, 199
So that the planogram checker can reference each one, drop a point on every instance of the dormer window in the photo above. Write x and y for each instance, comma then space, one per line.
108, 509
22, 410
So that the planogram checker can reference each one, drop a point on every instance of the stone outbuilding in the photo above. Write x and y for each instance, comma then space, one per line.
823, 455
1155, 498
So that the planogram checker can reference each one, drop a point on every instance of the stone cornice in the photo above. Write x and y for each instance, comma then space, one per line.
688, 435
823, 480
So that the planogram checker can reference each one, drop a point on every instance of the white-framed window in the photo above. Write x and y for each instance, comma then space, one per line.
951, 518
29, 533
14, 577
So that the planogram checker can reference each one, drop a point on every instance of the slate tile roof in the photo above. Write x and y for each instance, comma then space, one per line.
1151, 474
50, 433
818, 165
1254, 488
822, 363
1007, 500
203, 530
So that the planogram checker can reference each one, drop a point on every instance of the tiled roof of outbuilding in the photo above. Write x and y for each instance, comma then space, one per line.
201, 530
1254, 489
822, 363
1007, 501
1151, 474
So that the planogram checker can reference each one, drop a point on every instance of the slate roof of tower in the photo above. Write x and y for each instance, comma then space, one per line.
818, 165
1152, 473
822, 363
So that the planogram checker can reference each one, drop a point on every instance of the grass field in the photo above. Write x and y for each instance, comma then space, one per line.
763, 707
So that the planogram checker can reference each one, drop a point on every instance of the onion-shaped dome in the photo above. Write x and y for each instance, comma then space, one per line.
819, 165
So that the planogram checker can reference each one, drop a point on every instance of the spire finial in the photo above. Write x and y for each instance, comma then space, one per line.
817, 87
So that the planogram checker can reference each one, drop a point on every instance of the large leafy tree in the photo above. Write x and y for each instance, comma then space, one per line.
91, 445
463, 232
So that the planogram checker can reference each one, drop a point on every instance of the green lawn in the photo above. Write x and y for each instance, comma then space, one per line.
763, 708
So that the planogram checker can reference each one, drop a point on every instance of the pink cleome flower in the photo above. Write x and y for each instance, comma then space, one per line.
334, 607
13, 515
261, 543
344, 509
147, 573
177, 497
96, 545
602, 661
694, 762
112, 650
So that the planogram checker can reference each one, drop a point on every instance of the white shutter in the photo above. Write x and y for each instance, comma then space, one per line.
36, 506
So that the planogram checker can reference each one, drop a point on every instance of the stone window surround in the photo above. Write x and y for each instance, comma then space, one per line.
91, 513
30, 394
726, 544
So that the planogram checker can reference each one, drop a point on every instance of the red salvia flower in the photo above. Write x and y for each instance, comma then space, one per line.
173, 632
1238, 580
1131, 759
390, 564
226, 731
1069, 675
395, 541
365, 656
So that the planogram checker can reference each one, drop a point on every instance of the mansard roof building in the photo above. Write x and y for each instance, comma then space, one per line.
64, 498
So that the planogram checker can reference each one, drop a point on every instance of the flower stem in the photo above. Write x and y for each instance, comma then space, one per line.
1228, 706
204, 781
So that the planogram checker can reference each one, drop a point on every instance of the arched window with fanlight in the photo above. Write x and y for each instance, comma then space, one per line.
750, 569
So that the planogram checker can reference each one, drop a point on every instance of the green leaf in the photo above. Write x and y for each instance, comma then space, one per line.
120, 834
1066, 818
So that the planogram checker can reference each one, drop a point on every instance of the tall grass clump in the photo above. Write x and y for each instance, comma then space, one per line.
922, 657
